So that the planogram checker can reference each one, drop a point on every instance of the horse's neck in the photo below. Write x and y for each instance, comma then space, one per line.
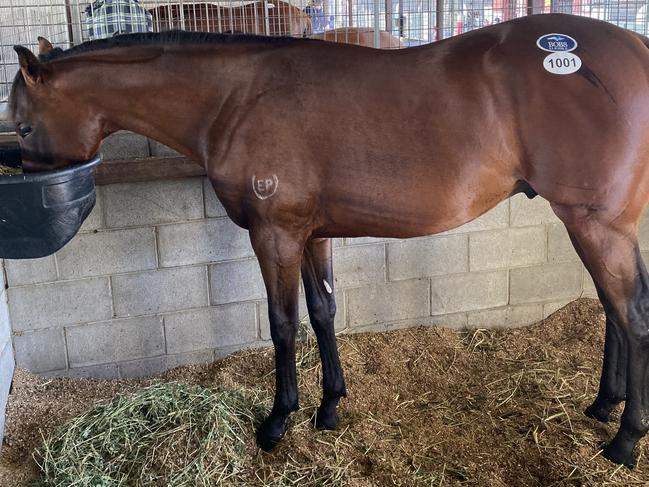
155, 100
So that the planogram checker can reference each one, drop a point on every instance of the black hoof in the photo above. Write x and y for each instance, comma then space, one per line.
601, 414
325, 421
270, 433
619, 456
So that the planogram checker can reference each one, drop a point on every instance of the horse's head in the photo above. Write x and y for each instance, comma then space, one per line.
54, 129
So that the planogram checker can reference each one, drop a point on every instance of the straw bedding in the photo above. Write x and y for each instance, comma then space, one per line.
426, 407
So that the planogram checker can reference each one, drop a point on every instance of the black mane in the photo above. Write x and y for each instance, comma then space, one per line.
167, 37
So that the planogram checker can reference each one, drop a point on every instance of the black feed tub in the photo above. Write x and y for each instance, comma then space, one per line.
41, 212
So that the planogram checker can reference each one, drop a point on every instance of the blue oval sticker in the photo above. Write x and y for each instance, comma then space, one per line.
556, 43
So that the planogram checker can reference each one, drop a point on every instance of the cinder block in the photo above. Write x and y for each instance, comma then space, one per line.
497, 217
180, 359
506, 248
549, 308
125, 145
58, 304
468, 292
550, 282
5, 323
431, 256
41, 350
303, 313
95, 220
151, 203
202, 241
236, 281
393, 301
224, 352
160, 291
156, 149
366, 240
361, 264
104, 371
588, 290
6, 376
30, 271
507, 317
143, 367
210, 328
213, 207
527, 212
456, 321
113, 252
560, 247
452, 321
643, 231
115, 341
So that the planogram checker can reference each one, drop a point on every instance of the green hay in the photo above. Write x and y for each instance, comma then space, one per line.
9, 171
163, 435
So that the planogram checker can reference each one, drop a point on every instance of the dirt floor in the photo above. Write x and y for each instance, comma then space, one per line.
426, 407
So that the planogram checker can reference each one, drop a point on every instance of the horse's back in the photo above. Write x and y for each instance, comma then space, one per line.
422, 140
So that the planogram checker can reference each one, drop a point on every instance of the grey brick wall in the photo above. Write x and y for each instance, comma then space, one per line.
159, 276
6, 351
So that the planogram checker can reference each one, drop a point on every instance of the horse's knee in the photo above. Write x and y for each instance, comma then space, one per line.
283, 329
322, 313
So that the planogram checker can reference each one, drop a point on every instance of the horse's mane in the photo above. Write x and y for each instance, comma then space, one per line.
154, 39
167, 37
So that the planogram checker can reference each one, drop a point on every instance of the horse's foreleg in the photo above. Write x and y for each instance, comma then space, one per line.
317, 274
280, 255
610, 252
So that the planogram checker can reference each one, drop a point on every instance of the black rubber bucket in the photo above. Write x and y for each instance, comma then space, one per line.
41, 212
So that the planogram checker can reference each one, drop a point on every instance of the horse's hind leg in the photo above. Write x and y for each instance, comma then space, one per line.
280, 255
317, 274
609, 249
612, 384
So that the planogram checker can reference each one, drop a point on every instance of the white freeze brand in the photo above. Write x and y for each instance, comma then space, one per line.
266, 187
327, 286
562, 63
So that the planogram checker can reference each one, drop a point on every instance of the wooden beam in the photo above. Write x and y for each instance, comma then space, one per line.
149, 169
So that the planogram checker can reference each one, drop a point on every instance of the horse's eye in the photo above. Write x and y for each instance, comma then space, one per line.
24, 130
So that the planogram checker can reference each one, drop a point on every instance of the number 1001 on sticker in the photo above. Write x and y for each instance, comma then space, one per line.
562, 63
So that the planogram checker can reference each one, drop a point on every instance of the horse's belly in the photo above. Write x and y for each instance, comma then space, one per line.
390, 215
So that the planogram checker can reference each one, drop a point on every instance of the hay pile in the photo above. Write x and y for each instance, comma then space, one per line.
166, 434
8, 171
426, 407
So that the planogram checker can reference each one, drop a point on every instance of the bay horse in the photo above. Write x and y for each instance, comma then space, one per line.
273, 18
306, 140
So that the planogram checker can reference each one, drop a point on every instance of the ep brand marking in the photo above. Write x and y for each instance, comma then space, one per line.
327, 286
264, 188
562, 63
556, 43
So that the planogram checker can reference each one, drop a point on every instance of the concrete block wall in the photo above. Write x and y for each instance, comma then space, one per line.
6, 351
159, 277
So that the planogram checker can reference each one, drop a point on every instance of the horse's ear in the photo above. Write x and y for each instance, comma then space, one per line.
44, 46
30, 66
